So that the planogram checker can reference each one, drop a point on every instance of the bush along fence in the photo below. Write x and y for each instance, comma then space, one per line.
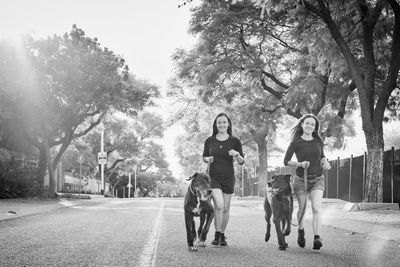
345, 180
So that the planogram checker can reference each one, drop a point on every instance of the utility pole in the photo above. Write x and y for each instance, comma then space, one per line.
101, 164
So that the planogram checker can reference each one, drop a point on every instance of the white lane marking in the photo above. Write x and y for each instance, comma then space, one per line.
148, 256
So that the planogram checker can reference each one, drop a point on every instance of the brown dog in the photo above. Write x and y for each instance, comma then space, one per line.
198, 204
279, 203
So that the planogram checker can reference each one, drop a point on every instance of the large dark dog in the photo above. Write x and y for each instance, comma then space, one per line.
279, 203
198, 203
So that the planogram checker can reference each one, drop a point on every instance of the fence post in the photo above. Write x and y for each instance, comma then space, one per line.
392, 171
242, 173
326, 183
351, 167
337, 177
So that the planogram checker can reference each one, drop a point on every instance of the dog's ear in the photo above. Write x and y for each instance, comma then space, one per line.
287, 177
191, 177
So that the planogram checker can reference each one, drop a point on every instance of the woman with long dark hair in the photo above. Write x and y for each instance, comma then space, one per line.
220, 150
309, 149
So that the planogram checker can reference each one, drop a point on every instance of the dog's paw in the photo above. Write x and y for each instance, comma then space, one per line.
267, 236
286, 245
193, 248
202, 244
282, 248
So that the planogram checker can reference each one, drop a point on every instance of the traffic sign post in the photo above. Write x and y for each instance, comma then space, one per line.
102, 157
81, 158
129, 186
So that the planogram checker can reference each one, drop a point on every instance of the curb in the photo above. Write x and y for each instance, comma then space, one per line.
349, 206
16, 208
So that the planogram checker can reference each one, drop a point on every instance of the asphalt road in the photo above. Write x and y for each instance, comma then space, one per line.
151, 232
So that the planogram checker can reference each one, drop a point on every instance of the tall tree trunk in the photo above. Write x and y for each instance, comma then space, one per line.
262, 171
42, 165
375, 149
52, 179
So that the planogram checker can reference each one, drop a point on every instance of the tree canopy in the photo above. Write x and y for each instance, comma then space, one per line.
57, 89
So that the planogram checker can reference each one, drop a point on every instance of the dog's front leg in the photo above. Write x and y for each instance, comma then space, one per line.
268, 213
190, 232
280, 236
288, 217
200, 229
288, 226
208, 218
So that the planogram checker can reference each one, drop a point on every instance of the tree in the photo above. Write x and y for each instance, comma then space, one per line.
256, 70
236, 44
129, 143
367, 34
77, 81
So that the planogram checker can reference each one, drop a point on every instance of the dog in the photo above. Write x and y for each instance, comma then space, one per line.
198, 204
279, 203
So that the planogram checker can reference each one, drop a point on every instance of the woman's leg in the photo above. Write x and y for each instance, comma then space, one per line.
225, 213
316, 199
218, 200
302, 201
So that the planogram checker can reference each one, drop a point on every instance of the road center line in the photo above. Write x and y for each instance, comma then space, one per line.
148, 256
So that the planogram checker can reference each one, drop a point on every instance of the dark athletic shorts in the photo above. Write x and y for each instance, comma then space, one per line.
317, 183
227, 186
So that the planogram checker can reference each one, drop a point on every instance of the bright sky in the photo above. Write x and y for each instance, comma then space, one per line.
144, 32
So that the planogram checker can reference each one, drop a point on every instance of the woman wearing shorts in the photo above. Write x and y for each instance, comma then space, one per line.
309, 149
221, 149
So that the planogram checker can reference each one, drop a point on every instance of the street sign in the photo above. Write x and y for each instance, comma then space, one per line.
129, 185
102, 157
80, 158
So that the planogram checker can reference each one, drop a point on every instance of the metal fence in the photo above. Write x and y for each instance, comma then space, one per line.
345, 180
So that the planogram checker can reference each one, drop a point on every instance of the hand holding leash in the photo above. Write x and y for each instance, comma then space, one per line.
210, 159
304, 164
325, 164
233, 153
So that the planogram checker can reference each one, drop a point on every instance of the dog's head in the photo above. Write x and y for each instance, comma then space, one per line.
201, 185
280, 185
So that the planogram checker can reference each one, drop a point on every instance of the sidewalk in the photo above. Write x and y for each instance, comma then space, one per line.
14, 208
380, 220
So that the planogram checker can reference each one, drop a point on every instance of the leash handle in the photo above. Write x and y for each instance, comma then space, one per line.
208, 167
